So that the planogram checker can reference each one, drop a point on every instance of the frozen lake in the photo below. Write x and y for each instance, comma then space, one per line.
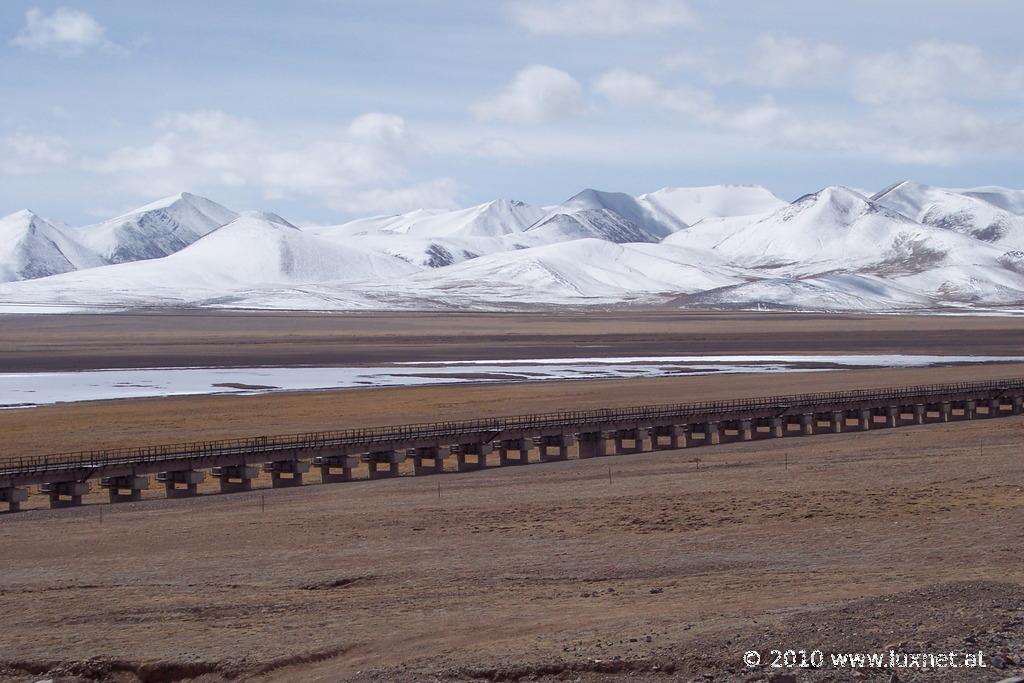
41, 388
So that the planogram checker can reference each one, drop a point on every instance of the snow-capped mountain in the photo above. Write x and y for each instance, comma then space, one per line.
834, 230
956, 211
835, 292
155, 230
611, 216
577, 271
691, 205
32, 247
1007, 200
909, 247
493, 219
248, 253
438, 238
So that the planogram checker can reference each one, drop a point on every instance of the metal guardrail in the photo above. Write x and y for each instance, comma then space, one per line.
98, 459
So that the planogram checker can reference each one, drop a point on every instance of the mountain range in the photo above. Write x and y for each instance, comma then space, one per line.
908, 247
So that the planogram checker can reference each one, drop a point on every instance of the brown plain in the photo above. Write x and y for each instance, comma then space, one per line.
664, 566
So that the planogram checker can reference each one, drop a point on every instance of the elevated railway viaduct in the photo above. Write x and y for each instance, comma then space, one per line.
180, 468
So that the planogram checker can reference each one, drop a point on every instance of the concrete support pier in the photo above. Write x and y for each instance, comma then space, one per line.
1018, 405
865, 419
329, 463
892, 416
133, 484
746, 430
675, 435
807, 424
471, 456
970, 410
838, 421
919, 414
235, 478
595, 444
553, 448
778, 428
285, 473
190, 478
712, 433
945, 411
64, 494
995, 407
520, 446
427, 460
14, 497
384, 464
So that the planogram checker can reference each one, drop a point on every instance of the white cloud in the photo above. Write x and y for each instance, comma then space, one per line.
498, 149
628, 89
606, 17
928, 136
359, 167
772, 61
932, 71
936, 103
537, 94
781, 60
65, 31
26, 154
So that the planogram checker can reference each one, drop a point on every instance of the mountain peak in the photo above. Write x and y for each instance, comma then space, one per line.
32, 247
597, 199
613, 216
691, 205
268, 216
186, 198
156, 229
20, 218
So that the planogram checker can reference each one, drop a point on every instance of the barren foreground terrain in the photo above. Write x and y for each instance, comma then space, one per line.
652, 565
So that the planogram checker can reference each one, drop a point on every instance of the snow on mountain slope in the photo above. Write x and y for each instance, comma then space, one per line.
835, 292
249, 253
155, 230
32, 247
493, 219
575, 272
953, 210
693, 204
422, 251
709, 232
1007, 200
269, 216
838, 229
967, 284
438, 238
611, 216
832, 250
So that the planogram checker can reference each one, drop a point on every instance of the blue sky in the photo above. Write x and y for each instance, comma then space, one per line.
324, 110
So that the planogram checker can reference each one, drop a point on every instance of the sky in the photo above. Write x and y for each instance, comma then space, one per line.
325, 110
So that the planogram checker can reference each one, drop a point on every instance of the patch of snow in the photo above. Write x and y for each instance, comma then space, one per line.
690, 205
20, 390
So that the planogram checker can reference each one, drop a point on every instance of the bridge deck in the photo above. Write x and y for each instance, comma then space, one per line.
85, 465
